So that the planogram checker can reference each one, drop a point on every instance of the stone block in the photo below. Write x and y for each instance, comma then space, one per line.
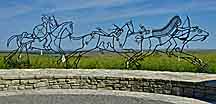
23, 82
54, 87
32, 81
117, 85
92, 86
144, 84
75, 87
66, 86
113, 78
2, 86
12, 87
123, 82
131, 82
41, 84
109, 88
175, 83
135, 88
93, 83
199, 93
67, 80
129, 86
15, 82
84, 77
167, 91
167, 86
44, 80
5, 82
22, 87
129, 79
123, 88
158, 90
177, 91
189, 92
62, 83
52, 81
101, 85
75, 84
28, 87
72, 81
60, 80
88, 81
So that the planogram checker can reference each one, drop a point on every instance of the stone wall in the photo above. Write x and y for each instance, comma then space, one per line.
111, 80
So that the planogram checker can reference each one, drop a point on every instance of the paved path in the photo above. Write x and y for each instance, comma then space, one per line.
75, 99
81, 96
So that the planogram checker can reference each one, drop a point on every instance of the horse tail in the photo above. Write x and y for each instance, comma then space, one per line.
10, 39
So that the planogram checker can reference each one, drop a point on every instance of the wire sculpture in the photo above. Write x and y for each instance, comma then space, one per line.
50, 33
174, 31
177, 34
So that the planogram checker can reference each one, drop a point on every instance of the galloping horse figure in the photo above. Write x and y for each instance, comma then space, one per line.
113, 41
174, 33
49, 33
158, 35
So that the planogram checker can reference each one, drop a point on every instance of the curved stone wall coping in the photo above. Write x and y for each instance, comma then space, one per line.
68, 73
142, 95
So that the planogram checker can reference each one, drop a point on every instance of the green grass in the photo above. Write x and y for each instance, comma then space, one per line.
113, 61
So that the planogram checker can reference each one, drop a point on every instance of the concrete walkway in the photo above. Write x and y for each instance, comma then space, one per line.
81, 96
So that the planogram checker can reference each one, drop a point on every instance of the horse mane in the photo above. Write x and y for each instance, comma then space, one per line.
171, 23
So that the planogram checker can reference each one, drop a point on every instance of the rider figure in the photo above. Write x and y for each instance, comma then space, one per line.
50, 23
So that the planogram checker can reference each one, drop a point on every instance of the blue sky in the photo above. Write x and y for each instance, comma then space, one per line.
18, 16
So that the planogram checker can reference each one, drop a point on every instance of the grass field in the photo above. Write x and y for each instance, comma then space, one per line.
113, 61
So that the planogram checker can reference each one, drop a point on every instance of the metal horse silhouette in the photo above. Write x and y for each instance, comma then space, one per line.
176, 34
49, 33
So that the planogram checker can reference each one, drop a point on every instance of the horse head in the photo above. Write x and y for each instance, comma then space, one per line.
188, 33
199, 34
195, 34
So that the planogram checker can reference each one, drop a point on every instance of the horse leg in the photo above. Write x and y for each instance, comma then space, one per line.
135, 58
193, 60
70, 56
48, 41
61, 52
80, 55
20, 52
11, 54
171, 47
149, 53
8, 58
131, 61
77, 60
27, 53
